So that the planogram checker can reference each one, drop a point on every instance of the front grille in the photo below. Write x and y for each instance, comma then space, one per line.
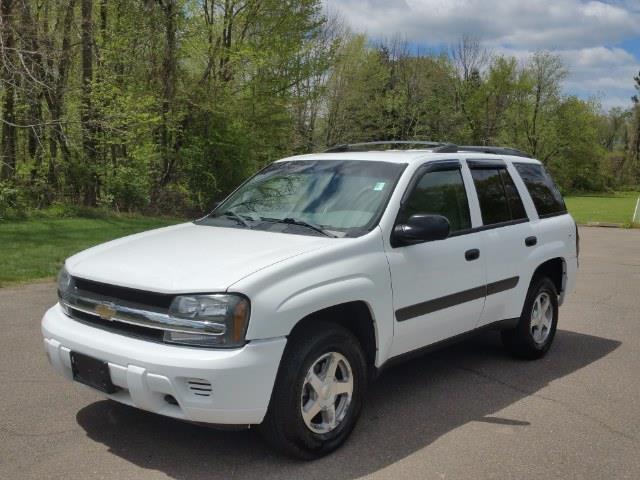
120, 295
135, 331
132, 295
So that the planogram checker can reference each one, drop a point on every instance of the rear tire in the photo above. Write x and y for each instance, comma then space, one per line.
533, 335
323, 370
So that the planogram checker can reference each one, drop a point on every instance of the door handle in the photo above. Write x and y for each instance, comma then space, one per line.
472, 254
530, 241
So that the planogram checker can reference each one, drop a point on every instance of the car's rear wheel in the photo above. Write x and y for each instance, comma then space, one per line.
318, 393
536, 328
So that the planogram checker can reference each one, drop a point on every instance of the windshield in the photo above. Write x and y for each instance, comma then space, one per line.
325, 197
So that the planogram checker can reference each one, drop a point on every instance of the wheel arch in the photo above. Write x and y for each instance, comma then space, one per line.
357, 317
556, 269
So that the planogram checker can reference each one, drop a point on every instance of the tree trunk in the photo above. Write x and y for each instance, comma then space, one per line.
8, 143
55, 94
32, 88
168, 91
87, 117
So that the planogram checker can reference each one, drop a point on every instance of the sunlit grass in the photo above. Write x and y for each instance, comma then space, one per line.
34, 249
614, 208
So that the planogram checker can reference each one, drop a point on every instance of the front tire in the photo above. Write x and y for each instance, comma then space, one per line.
318, 392
534, 333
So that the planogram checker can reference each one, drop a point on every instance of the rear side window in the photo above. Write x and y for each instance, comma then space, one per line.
544, 192
440, 193
498, 196
513, 197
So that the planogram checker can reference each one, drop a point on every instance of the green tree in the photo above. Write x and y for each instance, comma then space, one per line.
355, 94
578, 159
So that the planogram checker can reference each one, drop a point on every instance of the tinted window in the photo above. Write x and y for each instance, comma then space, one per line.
494, 205
440, 193
498, 195
544, 193
515, 202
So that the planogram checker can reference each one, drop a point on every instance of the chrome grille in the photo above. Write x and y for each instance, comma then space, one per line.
115, 327
93, 301
125, 311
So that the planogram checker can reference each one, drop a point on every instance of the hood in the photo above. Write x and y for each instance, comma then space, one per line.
188, 258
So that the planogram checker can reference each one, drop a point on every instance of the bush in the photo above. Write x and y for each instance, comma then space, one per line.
14, 204
127, 188
173, 200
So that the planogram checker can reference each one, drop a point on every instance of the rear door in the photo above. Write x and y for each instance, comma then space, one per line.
507, 239
555, 230
438, 287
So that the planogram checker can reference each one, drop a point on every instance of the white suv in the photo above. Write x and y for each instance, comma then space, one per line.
279, 307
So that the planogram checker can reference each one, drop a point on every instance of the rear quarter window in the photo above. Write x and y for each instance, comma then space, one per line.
543, 190
497, 194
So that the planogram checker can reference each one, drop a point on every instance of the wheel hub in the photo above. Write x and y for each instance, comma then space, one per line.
327, 393
541, 318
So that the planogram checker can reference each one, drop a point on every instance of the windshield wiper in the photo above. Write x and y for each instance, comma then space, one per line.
238, 218
303, 223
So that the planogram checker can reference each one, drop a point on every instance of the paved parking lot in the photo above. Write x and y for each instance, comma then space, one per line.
468, 411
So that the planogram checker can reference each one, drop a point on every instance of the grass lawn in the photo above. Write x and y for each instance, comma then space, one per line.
36, 248
614, 208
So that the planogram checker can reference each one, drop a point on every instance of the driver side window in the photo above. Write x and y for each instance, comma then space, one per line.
440, 193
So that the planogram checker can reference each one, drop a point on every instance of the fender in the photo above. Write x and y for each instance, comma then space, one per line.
545, 253
554, 243
348, 270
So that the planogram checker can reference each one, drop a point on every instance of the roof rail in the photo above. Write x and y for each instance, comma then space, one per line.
495, 150
435, 147
446, 148
354, 147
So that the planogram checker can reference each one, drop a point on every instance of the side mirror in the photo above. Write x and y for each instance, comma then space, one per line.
420, 228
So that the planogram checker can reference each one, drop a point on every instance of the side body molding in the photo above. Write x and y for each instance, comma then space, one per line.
430, 306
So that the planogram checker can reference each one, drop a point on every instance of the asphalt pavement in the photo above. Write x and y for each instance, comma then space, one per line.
466, 412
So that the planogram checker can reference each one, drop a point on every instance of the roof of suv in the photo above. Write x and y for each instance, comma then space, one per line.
407, 156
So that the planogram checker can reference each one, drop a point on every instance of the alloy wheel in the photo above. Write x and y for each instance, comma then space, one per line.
326, 393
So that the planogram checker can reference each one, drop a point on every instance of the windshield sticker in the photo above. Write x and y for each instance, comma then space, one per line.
379, 186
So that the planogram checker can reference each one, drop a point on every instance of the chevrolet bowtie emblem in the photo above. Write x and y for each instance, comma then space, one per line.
105, 311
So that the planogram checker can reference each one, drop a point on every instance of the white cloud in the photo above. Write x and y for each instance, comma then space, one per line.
608, 102
534, 24
583, 32
604, 72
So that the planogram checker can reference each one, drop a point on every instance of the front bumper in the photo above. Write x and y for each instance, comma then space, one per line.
240, 380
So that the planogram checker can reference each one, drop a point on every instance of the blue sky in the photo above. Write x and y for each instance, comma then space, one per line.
599, 40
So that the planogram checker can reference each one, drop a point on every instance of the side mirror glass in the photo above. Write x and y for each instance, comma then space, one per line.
420, 228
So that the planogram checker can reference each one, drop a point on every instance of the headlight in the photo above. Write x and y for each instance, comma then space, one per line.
65, 282
65, 286
225, 314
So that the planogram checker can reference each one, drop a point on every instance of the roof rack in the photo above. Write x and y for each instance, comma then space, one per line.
435, 147
495, 150
354, 147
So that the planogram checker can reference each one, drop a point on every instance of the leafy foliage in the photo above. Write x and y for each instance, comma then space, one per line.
164, 106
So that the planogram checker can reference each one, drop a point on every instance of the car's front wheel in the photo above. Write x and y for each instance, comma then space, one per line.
318, 393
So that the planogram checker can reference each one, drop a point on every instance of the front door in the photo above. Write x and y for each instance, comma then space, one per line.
439, 286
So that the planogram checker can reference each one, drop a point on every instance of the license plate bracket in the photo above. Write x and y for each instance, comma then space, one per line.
92, 372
